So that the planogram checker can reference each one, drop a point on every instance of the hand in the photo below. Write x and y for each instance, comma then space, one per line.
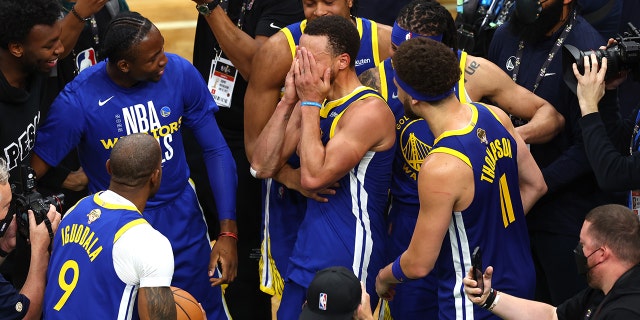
364, 309
614, 81
39, 236
225, 255
385, 290
590, 85
312, 83
290, 95
204, 313
86, 8
76, 180
471, 286
8, 241
291, 179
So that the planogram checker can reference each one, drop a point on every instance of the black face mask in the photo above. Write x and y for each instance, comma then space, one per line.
582, 262
531, 23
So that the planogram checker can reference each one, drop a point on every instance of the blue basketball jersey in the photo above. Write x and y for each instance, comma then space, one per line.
494, 220
368, 54
284, 209
348, 230
82, 278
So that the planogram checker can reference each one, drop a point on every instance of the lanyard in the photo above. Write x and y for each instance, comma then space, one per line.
552, 53
224, 4
246, 6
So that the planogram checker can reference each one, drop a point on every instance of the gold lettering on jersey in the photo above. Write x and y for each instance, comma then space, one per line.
496, 150
83, 236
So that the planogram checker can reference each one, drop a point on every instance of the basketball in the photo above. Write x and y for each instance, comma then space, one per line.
187, 307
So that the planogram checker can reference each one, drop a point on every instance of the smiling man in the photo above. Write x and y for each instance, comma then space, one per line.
29, 49
137, 89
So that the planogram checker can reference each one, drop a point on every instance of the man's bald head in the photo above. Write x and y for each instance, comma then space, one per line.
134, 159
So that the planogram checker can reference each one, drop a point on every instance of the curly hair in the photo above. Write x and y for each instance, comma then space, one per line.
125, 31
429, 18
428, 66
619, 228
18, 17
342, 33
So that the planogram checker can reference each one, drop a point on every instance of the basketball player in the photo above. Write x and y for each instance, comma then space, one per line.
284, 205
474, 186
343, 132
141, 89
423, 18
106, 250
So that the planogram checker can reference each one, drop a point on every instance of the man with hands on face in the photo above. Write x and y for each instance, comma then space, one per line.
608, 253
343, 132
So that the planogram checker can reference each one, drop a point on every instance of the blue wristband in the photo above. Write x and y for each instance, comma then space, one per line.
396, 270
311, 104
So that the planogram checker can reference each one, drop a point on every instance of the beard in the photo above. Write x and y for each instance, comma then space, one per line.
406, 103
536, 31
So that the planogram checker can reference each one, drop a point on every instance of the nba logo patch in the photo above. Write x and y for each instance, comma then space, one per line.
322, 302
85, 59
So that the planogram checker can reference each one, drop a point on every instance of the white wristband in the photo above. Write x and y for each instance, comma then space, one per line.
253, 172
495, 302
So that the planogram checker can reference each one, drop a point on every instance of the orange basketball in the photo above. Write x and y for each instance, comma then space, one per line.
187, 307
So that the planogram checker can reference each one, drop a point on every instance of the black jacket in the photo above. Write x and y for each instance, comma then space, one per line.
622, 302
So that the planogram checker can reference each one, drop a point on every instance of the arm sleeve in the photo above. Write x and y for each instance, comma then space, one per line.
614, 171
13, 305
143, 256
221, 168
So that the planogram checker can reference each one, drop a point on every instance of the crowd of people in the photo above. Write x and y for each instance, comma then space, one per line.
343, 161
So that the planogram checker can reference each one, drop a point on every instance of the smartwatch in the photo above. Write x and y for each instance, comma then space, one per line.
206, 8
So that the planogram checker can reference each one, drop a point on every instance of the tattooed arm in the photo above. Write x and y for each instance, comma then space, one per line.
156, 303
371, 78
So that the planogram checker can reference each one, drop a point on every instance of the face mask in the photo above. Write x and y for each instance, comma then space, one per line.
582, 262
528, 11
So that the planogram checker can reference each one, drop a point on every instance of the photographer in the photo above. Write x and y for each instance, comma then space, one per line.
606, 134
27, 302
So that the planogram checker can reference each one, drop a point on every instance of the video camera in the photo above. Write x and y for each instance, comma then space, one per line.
622, 56
476, 22
29, 199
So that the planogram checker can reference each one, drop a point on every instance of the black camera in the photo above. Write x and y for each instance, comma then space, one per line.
622, 56
29, 199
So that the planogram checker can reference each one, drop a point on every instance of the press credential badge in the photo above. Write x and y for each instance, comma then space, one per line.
222, 79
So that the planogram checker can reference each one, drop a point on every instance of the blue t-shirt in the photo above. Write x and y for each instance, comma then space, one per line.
92, 112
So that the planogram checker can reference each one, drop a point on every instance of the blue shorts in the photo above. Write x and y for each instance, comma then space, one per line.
417, 299
182, 222
282, 213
